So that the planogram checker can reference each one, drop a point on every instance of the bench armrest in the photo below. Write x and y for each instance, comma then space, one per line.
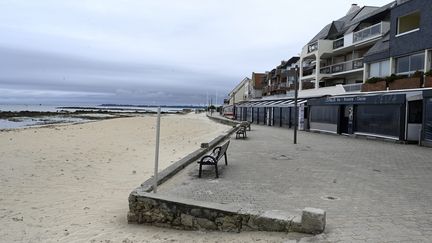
207, 159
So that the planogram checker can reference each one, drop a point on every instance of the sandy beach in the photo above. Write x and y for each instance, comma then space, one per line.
70, 183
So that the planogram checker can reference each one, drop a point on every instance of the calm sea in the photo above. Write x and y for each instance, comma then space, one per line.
54, 108
37, 121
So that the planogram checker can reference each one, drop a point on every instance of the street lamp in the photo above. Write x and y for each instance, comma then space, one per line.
295, 104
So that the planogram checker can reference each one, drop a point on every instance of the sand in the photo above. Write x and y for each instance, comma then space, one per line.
70, 183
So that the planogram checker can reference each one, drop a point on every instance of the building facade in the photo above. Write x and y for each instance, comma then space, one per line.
280, 81
407, 48
335, 55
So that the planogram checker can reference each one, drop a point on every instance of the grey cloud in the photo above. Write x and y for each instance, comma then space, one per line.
124, 81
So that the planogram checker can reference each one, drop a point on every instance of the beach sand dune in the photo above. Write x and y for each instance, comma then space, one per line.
70, 183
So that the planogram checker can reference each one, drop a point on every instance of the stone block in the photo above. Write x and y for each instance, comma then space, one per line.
230, 223
187, 220
295, 225
206, 224
269, 224
313, 220
196, 212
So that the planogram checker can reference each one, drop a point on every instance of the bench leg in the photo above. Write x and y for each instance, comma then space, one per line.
226, 161
216, 169
200, 170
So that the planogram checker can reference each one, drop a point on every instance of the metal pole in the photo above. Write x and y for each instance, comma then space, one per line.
295, 104
155, 184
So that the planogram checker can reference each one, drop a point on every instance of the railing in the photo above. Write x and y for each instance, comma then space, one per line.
308, 71
338, 43
308, 85
367, 33
352, 87
313, 47
343, 67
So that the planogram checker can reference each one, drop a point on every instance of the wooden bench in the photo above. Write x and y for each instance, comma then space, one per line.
241, 132
213, 158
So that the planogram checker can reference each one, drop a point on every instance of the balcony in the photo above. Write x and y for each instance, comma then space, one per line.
338, 43
343, 67
308, 71
352, 87
368, 33
313, 47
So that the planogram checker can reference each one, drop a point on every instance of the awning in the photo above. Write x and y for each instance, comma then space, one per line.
273, 103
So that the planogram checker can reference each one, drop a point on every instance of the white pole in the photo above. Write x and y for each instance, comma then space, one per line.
157, 151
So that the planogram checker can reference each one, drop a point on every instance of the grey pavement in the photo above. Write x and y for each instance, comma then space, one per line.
372, 191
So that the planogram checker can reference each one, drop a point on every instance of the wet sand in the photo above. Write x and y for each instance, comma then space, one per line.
70, 183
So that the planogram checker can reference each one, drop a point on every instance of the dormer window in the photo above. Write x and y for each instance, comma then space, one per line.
408, 23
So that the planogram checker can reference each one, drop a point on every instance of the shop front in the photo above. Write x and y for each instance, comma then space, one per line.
381, 115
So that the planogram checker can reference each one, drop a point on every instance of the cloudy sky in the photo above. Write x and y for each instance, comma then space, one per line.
148, 51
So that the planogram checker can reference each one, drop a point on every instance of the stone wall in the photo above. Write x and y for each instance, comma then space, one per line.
166, 211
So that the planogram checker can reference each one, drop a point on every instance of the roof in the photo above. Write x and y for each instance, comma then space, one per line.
350, 22
381, 46
380, 50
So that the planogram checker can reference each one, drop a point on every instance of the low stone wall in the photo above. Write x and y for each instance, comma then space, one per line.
166, 211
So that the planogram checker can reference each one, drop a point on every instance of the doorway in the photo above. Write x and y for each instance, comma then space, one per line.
344, 118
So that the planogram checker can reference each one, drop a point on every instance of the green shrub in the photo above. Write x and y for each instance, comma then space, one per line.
418, 74
373, 80
394, 77
428, 73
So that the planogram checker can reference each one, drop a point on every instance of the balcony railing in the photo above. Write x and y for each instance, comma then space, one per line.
368, 33
313, 47
343, 67
352, 87
338, 43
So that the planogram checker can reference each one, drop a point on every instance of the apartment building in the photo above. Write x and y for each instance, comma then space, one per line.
280, 80
335, 56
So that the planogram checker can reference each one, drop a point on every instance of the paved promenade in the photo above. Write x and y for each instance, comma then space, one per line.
372, 191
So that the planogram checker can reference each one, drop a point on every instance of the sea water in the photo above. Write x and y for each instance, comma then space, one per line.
38, 121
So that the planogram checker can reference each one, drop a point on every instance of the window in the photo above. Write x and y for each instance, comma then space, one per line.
378, 119
410, 64
409, 23
379, 69
324, 114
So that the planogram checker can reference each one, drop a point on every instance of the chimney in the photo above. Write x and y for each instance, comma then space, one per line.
354, 7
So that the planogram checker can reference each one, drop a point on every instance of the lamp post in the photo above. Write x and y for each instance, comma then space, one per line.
295, 104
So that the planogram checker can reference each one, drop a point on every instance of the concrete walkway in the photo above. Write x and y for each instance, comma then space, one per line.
372, 191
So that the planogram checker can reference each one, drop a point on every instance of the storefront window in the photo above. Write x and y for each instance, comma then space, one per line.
378, 119
324, 114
